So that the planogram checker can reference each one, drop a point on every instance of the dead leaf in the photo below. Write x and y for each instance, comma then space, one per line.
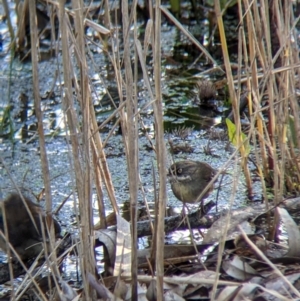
238, 269
292, 231
123, 251
238, 217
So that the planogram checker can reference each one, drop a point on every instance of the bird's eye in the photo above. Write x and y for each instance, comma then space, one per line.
179, 171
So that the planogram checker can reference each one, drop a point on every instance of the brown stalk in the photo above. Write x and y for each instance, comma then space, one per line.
255, 49
269, 27
161, 152
98, 184
97, 27
82, 178
233, 97
37, 105
22, 12
188, 34
42, 144
30, 274
9, 23
273, 120
85, 195
129, 131
263, 257
101, 164
104, 171
131, 140
225, 230
8, 250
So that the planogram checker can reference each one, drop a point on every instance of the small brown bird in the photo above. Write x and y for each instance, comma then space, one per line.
189, 178
23, 235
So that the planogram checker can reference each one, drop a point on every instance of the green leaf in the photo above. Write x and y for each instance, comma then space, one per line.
6, 122
233, 138
293, 131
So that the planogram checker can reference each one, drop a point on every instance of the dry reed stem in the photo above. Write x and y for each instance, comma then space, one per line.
275, 147
228, 215
9, 23
188, 34
97, 27
252, 84
273, 95
5, 236
119, 81
42, 143
278, 132
86, 262
276, 270
38, 110
130, 136
11, 249
15, 295
85, 191
233, 97
267, 139
161, 152
104, 171
22, 13
98, 185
